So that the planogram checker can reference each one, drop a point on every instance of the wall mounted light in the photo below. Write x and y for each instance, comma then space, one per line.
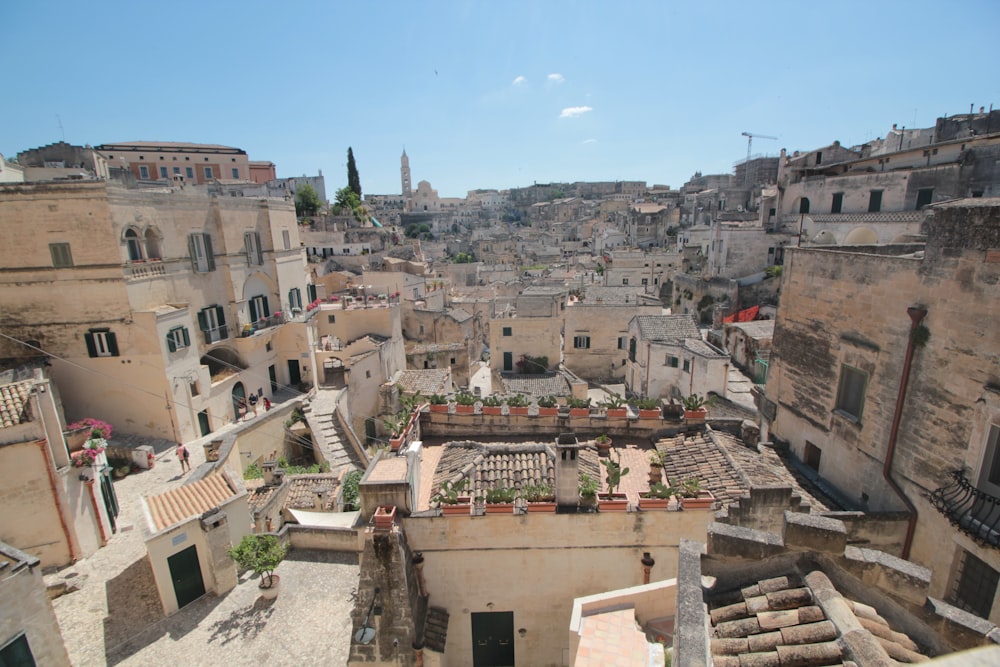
522, 632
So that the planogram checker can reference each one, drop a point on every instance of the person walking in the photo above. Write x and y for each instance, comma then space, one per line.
253, 404
183, 455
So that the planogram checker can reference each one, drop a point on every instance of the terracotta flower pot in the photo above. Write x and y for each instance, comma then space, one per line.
465, 409
695, 415
494, 410
649, 414
385, 516
542, 506
462, 507
579, 412
518, 410
647, 503
704, 501
440, 408
548, 412
612, 502
499, 508
617, 413
269, 587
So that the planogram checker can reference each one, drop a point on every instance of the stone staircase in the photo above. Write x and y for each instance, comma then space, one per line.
330, 438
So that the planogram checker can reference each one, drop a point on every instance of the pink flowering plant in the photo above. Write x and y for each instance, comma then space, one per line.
98, 429
88, 455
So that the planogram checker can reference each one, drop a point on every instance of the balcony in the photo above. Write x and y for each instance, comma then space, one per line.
263, 323
974, 512
139, 269
216, 334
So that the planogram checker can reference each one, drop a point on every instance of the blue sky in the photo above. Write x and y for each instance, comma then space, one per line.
491, 94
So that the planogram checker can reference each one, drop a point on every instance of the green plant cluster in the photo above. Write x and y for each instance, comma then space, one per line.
547, 402
351, 493
578, 402
260, 553
253, 471
517, 401
449, 492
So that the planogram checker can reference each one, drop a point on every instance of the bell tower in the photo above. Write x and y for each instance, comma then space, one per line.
404, 173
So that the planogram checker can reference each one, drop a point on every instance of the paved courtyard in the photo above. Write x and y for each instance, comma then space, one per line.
115, 617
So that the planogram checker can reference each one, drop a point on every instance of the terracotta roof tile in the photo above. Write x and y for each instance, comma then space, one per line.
427, 382
188, 500
303, 489
545, 384
15, 407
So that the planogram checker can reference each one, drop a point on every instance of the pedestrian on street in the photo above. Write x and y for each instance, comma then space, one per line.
253, 404
243, 408
267, 404
183, 455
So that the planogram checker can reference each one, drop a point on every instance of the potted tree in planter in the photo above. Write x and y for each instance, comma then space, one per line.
492, 405
695, 407
655, 467
540, 498
396, 426
500, 500
588, 491
613, 501
649, 408
449, 497
692, 496
262, 554
439, 403
517, 404
603, 443
615, 407
465, 403
579, 407
658, 497
547, 406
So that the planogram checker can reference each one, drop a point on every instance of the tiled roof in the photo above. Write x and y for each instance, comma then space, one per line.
613, 296
188, 500
758, 330
781, 621
427, 382
303, 489
258, 493
424, 348
460, 315
548, 384
15, 407
666, 328
511, 465
701, 348
612, 638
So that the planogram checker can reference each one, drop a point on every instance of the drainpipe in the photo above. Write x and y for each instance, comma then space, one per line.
917, 314
97, 511
50, 469
647, 566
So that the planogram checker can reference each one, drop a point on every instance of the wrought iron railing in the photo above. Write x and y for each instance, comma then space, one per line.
976, 513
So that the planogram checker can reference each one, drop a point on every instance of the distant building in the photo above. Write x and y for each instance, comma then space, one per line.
667, 358
171, 160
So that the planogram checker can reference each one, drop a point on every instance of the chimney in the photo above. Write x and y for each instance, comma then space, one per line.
269, 467
319, 501
567, 470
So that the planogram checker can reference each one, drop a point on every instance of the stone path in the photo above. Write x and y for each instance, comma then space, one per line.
115, 617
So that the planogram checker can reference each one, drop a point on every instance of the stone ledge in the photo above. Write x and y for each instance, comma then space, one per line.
728, 540
969, 629
811, 532
900, 578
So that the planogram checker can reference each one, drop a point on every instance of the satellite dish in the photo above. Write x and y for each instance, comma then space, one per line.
365, 635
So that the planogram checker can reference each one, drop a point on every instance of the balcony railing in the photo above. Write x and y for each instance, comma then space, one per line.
974, 512
216, 334
263, 323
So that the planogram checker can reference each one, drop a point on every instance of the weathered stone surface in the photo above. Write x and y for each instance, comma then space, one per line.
772, 620
730, 646
809, 654
726, 540
729, 612
740, 628
766, 641
809, 633
811, 532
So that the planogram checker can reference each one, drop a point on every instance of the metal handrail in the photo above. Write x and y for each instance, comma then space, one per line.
975, 512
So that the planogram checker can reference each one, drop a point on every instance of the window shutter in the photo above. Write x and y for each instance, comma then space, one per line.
112, 343
91, 345
171, 344
187, 338
193, 251
267, 311
220, 315
248, 244
208, 252
257, 248
202, 320
254, 315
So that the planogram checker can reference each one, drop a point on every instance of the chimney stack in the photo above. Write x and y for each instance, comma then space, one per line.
567, 470
268, 467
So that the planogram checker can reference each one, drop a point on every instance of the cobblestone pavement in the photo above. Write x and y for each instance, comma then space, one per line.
115, 617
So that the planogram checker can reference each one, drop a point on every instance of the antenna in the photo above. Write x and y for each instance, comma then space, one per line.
750, 136
61, 130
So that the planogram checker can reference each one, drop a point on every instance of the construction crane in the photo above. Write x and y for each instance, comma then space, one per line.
750, 136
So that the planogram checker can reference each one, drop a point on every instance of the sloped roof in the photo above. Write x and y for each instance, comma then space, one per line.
459, 314
427, 382
15, 406
667, 328
546, 384
125, 145
616, 296
188, 500
302, 490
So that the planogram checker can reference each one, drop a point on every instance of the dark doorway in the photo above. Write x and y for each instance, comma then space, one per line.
185, 572
813, 454
238, 393
294, 375
804, 205
924, 197
508, 361
493, 639
272, 375
203, 423
370, 433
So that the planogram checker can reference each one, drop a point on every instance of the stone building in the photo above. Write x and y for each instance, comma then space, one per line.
161, 309
533, 328
884, 379
667, 358
29, 630
166, 161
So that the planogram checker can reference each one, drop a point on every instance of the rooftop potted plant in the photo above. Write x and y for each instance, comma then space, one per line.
396, 426
658, 497
613, 500
500, 500
693, 496
539, 498
450, 499
384, 517
492, 405
649, 408
262, 554
465, 403
695, 407
439, 403
656, 461
517, 404
615, 407
547, 406
603, 442
588, 491
579, 407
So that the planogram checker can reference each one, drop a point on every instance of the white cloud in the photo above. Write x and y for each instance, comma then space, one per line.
590, 141
573, 112
518, 81
556, 77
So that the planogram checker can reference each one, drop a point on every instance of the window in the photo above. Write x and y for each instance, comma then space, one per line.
178, 339
813, 454
252, 242
163, 171
101, 343
804, 205
200, 248
332, 319
212, 321
62, 258
189, 171
875, 201
581, 342
837, 205
143, 171
989, 474
133, 245
851, 392
286, 239
452, 361
368, 375
622, 342
177, 170
258, 308
672, 361
236, 172
631, 349
975, 586
195, 389
295, 298
508, 331
17, 653
624, 281
687, 366
924, 197
208, 171
311, 291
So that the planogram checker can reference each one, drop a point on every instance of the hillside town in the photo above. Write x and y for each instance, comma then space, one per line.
751, 419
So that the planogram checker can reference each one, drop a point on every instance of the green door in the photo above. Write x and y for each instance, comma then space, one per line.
185, 572
203, 424
508, 361
294, 374
493, 639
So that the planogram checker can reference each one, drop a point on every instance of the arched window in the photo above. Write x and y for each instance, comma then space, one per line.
134, 247
804, 205
152, 245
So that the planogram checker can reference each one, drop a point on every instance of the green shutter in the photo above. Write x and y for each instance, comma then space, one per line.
112, 343
187, 338
193, 251
202, 320
91, 345
209, 255
220, 315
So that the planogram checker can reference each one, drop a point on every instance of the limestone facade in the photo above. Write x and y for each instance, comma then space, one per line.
167, 161
27, 621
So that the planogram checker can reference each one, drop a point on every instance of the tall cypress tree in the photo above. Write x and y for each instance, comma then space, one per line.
353, 180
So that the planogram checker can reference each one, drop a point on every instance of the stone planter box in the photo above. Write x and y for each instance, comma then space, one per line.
612, 502
704, 501
385, 516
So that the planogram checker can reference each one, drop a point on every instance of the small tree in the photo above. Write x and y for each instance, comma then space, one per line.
306, 201
615, 473
260, 553
353, 180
